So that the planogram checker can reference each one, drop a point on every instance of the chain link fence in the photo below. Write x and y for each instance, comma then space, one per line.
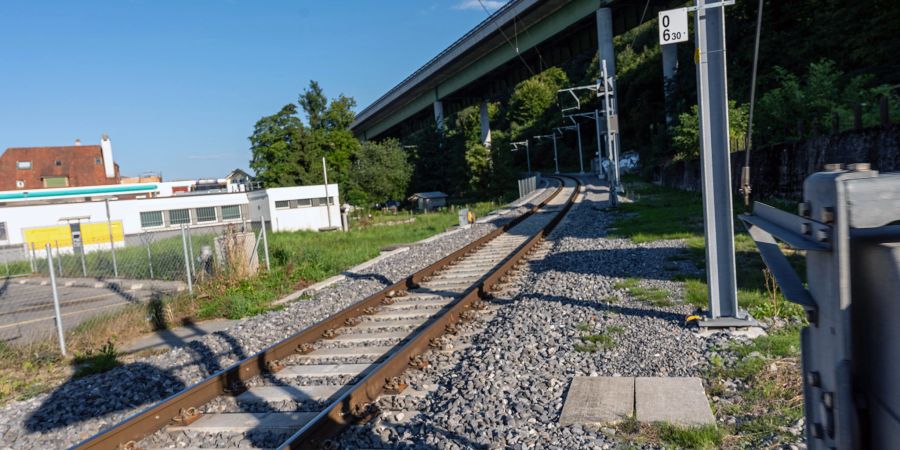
46, 287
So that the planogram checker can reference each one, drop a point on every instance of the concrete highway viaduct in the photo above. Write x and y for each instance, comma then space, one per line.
484, 65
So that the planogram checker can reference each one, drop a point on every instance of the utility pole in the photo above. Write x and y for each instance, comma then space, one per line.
553, 137
712, 99
527, 152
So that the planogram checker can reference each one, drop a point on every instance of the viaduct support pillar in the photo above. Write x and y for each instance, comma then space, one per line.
439, 114
485, 125
606, 51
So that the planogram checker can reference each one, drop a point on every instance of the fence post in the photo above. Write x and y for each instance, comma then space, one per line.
187, 263
112, 243
83, 265
58, 259
33, 259
149, 256
262, 222
885, 111
59, 325
190, 243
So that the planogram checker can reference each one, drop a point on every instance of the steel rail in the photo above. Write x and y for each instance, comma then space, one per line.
345, 410
231, 380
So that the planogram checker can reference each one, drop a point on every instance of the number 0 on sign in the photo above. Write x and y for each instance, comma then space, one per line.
673, 26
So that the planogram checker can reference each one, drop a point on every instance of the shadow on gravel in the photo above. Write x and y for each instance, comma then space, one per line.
648, 311
126, 387
368, 276
615, 262
123, 388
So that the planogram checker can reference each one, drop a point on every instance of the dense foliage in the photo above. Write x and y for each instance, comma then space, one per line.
288, 152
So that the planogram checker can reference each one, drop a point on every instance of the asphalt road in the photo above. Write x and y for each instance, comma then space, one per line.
27, 314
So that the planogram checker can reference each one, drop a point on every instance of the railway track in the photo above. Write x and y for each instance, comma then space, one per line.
305, 389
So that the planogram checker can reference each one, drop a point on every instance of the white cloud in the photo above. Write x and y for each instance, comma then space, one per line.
491, 5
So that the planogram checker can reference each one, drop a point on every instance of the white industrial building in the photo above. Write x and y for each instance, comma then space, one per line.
283, 209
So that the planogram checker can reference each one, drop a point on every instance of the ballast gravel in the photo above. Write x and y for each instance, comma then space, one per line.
506, 386
81, 408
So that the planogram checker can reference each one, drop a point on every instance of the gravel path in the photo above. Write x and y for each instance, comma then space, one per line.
505, 387
80, 408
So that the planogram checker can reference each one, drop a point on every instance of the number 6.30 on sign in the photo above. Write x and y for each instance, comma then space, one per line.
673, 26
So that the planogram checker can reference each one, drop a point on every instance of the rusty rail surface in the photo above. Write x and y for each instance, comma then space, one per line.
231, 380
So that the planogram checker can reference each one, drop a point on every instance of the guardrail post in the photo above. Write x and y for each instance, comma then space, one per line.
187, 262
59, 324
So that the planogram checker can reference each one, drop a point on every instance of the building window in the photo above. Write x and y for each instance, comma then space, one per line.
317, 201
20, 183
231, 212
207, 214
150, 219
3, 235
56, 182
179, 216
98, 161
282, 204
58, 162
303, 202
23, 165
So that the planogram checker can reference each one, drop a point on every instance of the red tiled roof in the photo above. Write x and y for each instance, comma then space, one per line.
82, 164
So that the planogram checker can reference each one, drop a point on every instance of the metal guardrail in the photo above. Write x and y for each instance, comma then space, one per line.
848, 226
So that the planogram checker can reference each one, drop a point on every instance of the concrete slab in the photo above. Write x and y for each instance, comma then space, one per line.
271, 394
320, 370
403, 314
244, 422
598, 400
347, 352
176, 337
377, 325
676, 400
369, 337
433, 302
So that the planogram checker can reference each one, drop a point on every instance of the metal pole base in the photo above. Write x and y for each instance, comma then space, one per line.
735, 325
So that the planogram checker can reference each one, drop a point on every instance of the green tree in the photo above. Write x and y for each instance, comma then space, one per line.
276, 146
686, 135
381, 172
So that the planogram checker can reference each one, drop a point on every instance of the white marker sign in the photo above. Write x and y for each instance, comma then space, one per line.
673, 26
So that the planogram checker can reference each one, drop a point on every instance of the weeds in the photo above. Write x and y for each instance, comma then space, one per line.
90, 362
700, 437
655, 296
591, 343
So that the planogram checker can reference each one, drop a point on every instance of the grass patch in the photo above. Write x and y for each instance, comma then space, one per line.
700, 437
91, 362
664, 213
593, 342
772, 399
654, 296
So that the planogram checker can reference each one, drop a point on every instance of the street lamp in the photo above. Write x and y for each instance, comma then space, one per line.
551, 136
527, 152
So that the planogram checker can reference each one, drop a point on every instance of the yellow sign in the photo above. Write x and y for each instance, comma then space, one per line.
98, 233
61, 235
40, 237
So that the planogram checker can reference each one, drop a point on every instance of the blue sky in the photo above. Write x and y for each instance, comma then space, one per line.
178, 85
